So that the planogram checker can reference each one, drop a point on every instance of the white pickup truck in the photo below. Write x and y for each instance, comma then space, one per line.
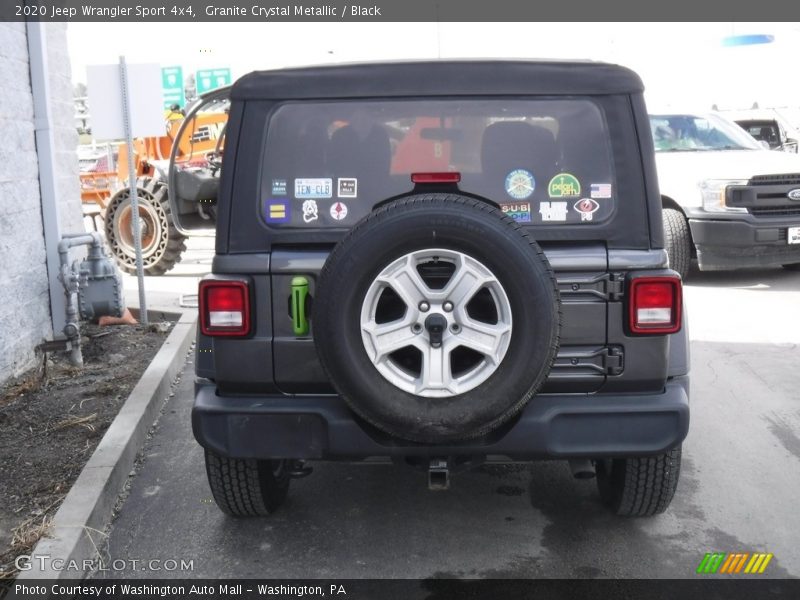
727, 201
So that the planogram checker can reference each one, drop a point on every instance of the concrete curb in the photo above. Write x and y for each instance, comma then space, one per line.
89, 505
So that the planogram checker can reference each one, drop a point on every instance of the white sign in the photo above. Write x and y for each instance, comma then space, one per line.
105, 101
553, 211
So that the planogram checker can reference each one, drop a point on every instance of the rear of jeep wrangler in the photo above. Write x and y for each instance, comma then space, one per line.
437, 263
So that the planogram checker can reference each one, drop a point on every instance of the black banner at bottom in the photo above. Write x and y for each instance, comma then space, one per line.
404, 589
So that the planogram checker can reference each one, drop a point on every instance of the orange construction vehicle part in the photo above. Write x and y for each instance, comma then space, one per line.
200, 139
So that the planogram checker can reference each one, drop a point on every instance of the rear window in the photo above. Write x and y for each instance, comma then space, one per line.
544, 161
766, 131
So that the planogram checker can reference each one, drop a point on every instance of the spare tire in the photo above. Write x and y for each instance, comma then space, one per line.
436, 318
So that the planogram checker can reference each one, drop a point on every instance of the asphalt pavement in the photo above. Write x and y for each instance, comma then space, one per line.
738, 489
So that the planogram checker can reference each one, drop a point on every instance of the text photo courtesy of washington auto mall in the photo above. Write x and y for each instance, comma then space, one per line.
401, 300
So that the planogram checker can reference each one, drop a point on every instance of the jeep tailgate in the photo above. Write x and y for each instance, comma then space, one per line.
584, 359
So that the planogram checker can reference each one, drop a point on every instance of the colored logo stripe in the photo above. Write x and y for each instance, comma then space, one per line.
758, 563
733, 563
711, 562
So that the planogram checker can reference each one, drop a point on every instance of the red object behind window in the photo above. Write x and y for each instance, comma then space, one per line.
448, 177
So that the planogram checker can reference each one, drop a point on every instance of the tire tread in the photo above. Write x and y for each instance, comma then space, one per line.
678, 241
648, 484
243, 488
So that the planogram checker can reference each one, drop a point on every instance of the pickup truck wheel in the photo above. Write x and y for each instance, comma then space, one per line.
639, 487
162, 245
436, 318
678, 240
247, 488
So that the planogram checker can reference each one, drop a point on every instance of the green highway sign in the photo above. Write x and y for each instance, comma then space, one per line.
211, 79
172, 87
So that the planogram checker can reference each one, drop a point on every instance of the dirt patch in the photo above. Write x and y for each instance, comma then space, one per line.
51, 420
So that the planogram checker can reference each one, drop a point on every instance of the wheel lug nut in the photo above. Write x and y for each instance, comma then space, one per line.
416, 328
447, 306
424, 306
455, 328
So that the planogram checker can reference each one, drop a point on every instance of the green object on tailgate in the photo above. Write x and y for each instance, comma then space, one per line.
299, 295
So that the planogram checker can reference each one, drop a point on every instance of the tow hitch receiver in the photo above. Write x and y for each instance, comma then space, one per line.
438, 475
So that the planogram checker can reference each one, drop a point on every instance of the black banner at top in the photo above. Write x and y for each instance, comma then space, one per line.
188, 11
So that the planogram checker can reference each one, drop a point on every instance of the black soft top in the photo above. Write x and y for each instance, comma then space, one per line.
438, 78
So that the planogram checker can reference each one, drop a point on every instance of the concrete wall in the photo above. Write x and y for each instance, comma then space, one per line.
24, 297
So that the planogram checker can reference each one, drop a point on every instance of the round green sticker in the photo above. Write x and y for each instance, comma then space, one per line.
564, 185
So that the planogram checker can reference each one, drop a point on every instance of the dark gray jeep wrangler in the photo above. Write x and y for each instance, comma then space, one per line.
440, 263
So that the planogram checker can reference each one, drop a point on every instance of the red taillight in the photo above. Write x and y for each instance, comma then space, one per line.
224, 307
655, 305
436, 177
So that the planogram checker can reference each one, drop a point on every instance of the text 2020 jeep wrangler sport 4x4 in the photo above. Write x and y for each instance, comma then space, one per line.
436, 263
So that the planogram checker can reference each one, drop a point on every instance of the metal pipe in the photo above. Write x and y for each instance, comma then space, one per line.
70, 240
48, 185
69, 280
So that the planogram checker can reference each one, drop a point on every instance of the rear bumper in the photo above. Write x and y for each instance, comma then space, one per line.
550, 426
734, 244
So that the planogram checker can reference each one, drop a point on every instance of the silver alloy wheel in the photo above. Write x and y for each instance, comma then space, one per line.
485, 339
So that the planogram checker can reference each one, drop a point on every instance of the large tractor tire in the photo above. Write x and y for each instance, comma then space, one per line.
437, 318
162, 245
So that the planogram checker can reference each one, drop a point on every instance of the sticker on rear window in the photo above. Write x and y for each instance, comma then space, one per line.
519, 211
339, 211
277, 211
310, 211
348, 187
278, 187
553, 211
313, 188
564, 185
586, 207
520, 184
600, 190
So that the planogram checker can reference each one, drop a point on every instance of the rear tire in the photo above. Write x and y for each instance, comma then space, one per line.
678, 241
247, 488
639, 487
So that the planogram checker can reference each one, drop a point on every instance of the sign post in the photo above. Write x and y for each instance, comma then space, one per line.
137, 225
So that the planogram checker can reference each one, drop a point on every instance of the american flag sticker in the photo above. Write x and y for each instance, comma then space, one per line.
600, 190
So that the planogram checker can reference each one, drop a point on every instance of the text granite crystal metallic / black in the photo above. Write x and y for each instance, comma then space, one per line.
440, 263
